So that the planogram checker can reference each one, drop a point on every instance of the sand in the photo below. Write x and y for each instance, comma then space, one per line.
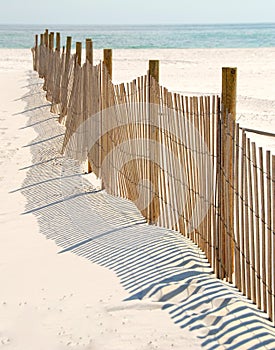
82, 270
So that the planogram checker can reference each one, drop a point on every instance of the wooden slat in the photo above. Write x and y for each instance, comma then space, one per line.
57, 47
273, 235
246, 225
237, 212
263, 229
251, 224
257, 224
270, 262
242, 216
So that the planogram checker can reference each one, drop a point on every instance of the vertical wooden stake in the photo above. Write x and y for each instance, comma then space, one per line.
35, 53
108, 61
57, 42
36, 40
65, 79
229, 96
51, 40
41, 39
89, 58
46, 38
78, 52
153, 210
154, 69
106, 78
68, 52
89, 51
229, 91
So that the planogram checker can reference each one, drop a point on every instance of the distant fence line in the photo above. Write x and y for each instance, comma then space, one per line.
184, 161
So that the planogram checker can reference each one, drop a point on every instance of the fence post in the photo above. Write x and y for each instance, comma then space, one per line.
154, 69
78, 52
68, 52
57, 42
89, 51
51, 41
64, 84
46, 63
229, 96
153, 210
35, 53
106, 78
89, 58
107, 60
46, 38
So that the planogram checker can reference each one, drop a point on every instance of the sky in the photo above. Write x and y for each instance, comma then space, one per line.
136, 12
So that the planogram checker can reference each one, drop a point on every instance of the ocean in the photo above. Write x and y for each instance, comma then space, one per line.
148, 36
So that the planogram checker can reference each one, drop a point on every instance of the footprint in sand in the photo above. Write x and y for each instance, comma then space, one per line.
4, 341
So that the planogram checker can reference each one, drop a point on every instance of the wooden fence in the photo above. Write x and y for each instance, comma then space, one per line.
184, 161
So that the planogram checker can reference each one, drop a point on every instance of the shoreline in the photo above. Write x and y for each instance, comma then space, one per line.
148, 36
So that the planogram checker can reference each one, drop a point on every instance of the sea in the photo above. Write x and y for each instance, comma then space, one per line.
148, 36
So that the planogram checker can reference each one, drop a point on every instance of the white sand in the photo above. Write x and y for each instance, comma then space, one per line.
78, 299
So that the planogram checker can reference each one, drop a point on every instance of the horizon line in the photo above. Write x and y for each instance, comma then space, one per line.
138, 24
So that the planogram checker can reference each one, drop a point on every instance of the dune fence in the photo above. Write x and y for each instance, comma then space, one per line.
183, 160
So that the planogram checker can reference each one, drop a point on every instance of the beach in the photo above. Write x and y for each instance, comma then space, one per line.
87, 272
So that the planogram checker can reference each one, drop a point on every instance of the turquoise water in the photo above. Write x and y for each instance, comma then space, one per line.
144, 36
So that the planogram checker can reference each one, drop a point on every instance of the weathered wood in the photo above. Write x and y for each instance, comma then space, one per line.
191, 170
154, 135
242, 215
36, 41
229, 91
263, 229
51, 40
237, 210
273, 234
78, 52
107, 72
229, 97
251, 224
58, 42
270, 262
46, 38
89, 58
154, 69
68, 51
209, 228
257, 224
35, 53
108, 61
246, 226
89, 51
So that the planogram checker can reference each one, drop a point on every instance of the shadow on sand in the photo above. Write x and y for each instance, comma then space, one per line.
153, 264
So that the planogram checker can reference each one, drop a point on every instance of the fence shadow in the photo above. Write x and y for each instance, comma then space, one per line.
155, 265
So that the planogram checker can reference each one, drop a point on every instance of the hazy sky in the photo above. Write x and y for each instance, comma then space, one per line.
135, 12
